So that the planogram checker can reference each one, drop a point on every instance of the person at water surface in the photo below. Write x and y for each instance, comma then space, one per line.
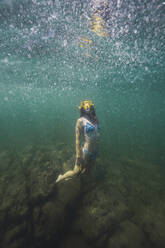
87, 140
100, 15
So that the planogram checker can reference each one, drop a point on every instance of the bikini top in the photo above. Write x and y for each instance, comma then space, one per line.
91, 131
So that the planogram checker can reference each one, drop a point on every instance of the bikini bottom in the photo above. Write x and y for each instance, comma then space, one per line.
89, 155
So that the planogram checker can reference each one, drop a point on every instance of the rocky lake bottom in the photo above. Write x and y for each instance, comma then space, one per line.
120, 205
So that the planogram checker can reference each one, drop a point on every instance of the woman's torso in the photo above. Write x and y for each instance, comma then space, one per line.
91, 134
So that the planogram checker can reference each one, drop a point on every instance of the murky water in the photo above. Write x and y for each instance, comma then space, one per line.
53, 55
45, 73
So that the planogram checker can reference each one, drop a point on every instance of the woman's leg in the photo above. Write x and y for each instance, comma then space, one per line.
71, 173
88, 160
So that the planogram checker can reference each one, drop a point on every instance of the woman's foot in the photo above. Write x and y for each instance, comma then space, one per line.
83, 170
59, 178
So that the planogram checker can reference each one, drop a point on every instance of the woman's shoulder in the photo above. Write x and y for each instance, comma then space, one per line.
82, 121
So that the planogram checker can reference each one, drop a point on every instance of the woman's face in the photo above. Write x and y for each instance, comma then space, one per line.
87, 105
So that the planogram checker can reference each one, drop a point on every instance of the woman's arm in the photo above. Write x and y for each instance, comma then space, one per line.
78, 143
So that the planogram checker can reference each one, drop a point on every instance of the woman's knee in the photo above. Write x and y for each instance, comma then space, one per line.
77, 169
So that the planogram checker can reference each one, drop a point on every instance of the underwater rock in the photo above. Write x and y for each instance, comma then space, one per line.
74, 241
34, 209
100, 214
14, 237
127, 235
115, 206
5, 161
14, 205
153, 224
54, 216
41, 183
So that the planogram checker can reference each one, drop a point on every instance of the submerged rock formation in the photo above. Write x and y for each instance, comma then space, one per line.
34, 209
121, 205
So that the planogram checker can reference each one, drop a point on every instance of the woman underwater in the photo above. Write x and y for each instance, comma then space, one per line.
87, 131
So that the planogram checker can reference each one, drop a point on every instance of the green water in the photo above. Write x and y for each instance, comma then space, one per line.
44, 75
132, 121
